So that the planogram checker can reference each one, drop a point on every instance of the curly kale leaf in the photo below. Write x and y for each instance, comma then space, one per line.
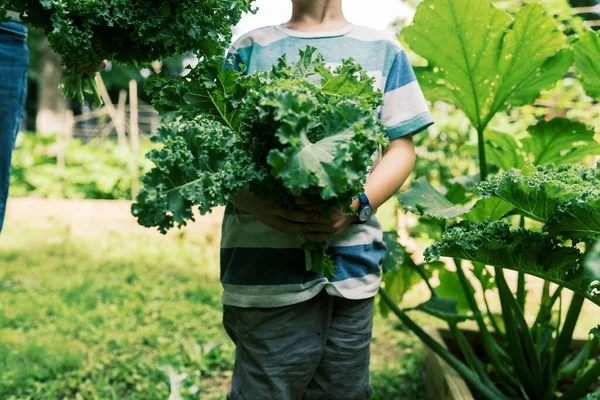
213, 90
521, 250
298, 129
198, 164
333, 167
86, 32
565, 198
424, 199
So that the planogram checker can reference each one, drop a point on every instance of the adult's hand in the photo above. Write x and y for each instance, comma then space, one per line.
279, 218
93, 70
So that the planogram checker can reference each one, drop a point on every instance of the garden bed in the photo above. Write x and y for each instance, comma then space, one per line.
443, 383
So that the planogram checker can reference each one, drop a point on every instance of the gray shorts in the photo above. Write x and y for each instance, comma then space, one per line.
314, 350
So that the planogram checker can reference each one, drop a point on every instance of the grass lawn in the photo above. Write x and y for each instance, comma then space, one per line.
135, 318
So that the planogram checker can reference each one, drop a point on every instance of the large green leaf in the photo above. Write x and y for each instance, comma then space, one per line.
449, 287
587, 62
302, 164
491, 208
502, 150
214, 91
345, 82
396, 253
400, 273
576, 220
483, 275
482, 59
424, 199
443, 308
559, 141
520, 250
592, 260
538, 193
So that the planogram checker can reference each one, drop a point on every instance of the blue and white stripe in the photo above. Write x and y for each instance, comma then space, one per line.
261, 267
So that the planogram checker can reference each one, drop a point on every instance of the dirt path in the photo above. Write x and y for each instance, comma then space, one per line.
90, 218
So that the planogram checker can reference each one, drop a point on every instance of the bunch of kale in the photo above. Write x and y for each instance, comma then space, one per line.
298, 129
85, 32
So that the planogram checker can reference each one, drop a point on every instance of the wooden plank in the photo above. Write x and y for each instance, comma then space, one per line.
586, 10
134, 137
441, 381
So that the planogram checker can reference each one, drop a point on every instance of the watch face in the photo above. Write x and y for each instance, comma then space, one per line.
365, 213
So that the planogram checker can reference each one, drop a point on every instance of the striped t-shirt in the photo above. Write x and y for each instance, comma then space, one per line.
261, 267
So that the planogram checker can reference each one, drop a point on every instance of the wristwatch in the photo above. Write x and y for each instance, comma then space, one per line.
364, 210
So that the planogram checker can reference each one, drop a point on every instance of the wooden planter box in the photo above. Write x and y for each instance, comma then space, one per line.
441, 381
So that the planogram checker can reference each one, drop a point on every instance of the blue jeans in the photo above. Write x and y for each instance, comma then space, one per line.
14, 61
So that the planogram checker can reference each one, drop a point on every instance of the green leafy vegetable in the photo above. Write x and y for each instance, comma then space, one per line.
587, 62
559, 141
565, 198
488, 209
481, 59
503, 150
295, 130
443, 308
198, 164
424, 199
86, 32
593, 260
533, 253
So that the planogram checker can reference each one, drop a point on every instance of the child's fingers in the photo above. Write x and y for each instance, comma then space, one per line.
317, 237
315, 208
305, 199
323, 228
292, 228
299, 216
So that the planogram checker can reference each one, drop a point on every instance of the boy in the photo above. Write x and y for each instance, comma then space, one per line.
297, 334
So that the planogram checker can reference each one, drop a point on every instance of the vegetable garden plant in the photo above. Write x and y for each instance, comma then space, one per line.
297, 129
86, 32
541, 219
539, 214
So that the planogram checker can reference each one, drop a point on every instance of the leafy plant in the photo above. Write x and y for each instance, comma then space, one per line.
84, 33
499, 61
503, 60
295, 130
91, 171
587, 64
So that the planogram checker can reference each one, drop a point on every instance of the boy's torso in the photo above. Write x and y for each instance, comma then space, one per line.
261, 267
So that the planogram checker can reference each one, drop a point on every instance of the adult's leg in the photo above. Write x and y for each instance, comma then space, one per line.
343, 372
14, 61
277, 349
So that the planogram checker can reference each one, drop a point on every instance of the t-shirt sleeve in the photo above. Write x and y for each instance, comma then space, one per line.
239, 53
404, 111
233, 59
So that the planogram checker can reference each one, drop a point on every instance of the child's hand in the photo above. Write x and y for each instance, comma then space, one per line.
277, 217
329, 223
